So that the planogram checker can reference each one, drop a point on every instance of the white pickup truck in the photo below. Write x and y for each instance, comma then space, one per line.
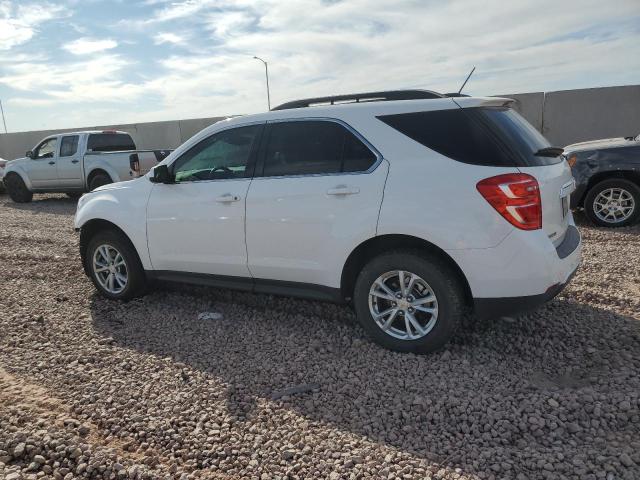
77, 162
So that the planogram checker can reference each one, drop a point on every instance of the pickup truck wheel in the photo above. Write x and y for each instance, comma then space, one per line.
99, 180
16, 189
408, 301
114, 266
613, 203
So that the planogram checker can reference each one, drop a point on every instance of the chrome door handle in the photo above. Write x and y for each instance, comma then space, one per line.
343, 190
227, 198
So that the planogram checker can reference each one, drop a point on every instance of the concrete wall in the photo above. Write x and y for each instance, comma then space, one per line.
564, 117
572, 116
152, 135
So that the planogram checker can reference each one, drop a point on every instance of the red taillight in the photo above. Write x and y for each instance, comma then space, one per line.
516, 196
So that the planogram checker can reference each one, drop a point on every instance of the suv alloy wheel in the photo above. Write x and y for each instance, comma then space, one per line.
409, 301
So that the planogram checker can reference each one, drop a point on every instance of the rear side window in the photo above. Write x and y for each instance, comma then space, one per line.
110, 142
314, 147
480, 136
69, 146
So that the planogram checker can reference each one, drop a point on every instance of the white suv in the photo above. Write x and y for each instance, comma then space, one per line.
411, 205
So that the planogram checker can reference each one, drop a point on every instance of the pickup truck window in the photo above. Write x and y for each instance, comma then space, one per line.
110, 142
69, 146
47, 148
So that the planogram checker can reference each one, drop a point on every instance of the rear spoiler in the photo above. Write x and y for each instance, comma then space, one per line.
466, 102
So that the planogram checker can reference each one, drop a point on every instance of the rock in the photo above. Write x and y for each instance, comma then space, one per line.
209, 316
553, 403
19, 450
626, 460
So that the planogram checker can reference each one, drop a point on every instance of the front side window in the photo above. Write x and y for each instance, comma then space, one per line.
47, 148
222, 156
69, 146
313, 147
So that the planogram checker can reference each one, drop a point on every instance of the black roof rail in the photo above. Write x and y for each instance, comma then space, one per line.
361, 97
456, 94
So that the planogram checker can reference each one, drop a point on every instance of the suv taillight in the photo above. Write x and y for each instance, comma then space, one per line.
516, 196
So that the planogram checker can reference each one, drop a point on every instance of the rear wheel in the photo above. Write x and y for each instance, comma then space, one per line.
114, 266
16, 189
613, 203
99, 180
409, 302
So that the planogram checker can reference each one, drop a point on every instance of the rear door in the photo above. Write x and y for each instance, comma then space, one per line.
42, 167
69, 163
315, 196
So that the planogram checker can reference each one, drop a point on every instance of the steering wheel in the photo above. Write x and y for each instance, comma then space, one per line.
223, 169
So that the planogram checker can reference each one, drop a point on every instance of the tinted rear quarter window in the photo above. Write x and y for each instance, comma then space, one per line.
480, 136
110, 142
314, 147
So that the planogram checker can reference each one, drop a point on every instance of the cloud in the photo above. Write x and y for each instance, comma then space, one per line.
169, 38
317, 47
84, 46
19, 24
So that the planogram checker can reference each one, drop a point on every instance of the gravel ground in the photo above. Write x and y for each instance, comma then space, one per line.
283, 388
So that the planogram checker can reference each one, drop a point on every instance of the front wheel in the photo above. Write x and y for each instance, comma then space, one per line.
17, 190
408, 301
613, 203
114, 266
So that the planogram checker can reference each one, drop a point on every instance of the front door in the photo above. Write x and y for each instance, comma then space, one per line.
196, 225
316, 195
41, 169
69, 163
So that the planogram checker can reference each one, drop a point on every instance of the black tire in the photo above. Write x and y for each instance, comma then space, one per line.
74, 195
444, 283
16, 189
98, 180
136, 279
626, 185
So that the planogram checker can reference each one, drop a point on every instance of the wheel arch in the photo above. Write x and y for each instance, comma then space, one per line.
100, 170
630, 175
89, 229
20, 173
376, 245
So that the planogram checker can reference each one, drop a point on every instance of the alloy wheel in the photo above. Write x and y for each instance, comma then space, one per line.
614, 205
110, 269
403, 305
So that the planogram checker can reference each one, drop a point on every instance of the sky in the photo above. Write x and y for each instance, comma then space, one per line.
78, 63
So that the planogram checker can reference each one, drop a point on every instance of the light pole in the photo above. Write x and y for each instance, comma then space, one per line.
266, 74
3, 120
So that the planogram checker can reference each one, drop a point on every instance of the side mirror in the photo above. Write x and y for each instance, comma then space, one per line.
161, 174
29, 154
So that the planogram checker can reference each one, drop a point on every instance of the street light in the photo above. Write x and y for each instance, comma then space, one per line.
266, 74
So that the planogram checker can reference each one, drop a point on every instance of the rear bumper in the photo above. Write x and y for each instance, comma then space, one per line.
497, 307
566, 262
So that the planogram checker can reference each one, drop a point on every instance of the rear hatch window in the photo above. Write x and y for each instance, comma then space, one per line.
110, 142
490, 136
